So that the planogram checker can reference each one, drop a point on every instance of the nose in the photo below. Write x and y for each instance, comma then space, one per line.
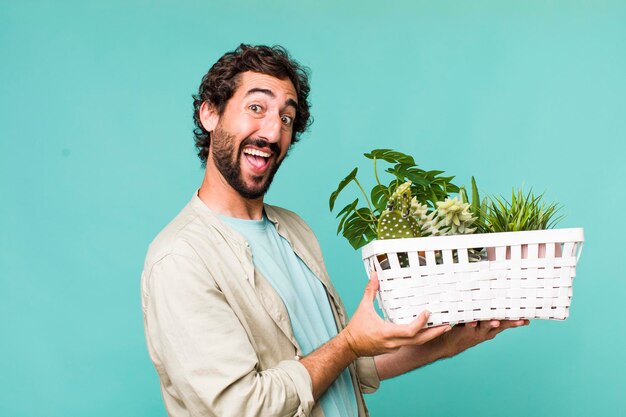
270, 128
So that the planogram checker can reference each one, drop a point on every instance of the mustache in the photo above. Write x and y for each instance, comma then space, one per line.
261, 143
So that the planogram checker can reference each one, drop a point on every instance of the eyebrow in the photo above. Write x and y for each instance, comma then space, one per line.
289, 102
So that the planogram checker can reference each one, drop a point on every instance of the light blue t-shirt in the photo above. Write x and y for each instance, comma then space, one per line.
306, 301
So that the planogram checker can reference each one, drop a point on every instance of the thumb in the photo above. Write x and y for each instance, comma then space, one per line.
371, 288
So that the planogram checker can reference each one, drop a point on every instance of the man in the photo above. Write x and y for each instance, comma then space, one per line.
241, 318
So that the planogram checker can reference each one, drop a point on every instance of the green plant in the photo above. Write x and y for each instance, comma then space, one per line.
523, 212
360, 225
477, 208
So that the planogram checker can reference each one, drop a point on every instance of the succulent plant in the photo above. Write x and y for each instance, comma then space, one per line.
418, 210
434, 225
456, 216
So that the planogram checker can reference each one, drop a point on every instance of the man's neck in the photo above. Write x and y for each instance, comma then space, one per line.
217, 194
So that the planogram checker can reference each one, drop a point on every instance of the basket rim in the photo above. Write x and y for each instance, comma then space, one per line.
473, 241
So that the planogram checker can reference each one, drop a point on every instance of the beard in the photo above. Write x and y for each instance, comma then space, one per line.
228, 162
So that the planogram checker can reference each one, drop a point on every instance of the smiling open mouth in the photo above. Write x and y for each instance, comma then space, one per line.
259, 160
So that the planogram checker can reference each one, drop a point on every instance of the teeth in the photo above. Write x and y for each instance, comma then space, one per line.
256, 152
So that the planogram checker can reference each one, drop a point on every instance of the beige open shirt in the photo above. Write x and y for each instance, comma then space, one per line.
218, 333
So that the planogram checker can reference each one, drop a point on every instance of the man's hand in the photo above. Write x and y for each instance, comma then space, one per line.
460, 338
365, 335
464, 336
369, 335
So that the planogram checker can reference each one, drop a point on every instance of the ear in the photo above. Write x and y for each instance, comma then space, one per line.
208, 116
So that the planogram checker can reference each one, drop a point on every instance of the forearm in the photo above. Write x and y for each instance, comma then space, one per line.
407, 358
327, 362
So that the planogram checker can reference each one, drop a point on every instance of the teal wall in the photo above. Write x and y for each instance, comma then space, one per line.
96, 155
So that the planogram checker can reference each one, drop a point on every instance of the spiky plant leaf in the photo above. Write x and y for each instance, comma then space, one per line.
463, 194
475, 207
522, 212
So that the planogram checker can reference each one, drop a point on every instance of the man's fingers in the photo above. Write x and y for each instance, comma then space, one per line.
508, 324
415, 330
501, 324
424, 335
493, 324
419, 338
491, 331
432, 333
416, 325
371, 288
407, 331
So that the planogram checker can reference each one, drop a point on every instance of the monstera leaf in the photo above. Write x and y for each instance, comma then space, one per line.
360, 225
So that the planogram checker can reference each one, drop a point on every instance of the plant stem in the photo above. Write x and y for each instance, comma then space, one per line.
377, 179
371, 220
364, 194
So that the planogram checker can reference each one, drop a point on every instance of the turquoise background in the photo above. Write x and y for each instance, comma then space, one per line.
97, 155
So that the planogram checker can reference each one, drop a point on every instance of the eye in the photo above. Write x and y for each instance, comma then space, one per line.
255, 108
287, 120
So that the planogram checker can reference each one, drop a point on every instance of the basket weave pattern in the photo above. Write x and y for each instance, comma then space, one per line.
521, 275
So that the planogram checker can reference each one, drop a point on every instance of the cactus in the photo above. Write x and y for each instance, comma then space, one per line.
393, 225
397, 220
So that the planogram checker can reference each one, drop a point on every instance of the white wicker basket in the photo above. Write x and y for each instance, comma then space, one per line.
520, 275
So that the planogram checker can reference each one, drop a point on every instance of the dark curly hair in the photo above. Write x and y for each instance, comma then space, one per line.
220, 83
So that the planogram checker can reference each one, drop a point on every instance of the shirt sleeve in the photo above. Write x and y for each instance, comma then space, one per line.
202, 351
367, 374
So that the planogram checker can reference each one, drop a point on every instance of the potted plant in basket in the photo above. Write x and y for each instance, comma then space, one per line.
463, 259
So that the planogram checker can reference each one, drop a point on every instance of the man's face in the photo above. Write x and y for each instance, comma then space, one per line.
254, 132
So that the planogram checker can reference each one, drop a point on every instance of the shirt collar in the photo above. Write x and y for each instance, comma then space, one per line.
211, 219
